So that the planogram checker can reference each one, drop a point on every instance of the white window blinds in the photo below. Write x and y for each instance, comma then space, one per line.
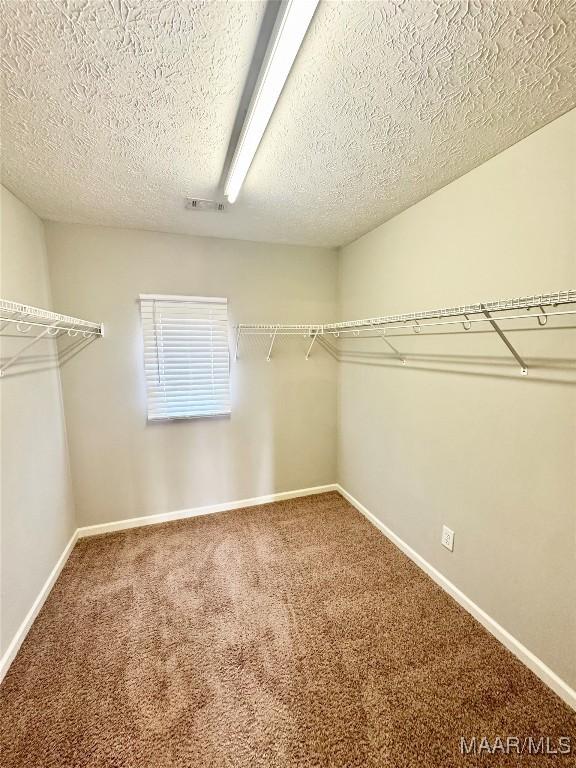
186, 356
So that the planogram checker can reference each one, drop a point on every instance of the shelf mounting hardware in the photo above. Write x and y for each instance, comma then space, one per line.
272, 344
312, 344
463, 315
397, 352
24, 317
238, 334
18, 355
543, 319
494, 324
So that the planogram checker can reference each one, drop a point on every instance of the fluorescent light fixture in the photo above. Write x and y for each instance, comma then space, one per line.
294, 17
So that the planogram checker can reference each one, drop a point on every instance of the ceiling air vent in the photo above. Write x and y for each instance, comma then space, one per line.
197, 204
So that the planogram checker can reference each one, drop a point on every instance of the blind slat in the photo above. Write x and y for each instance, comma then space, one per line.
186, 357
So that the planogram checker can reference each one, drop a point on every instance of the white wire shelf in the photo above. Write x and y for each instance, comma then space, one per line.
24, 319
13, 312
501, 305
465, 315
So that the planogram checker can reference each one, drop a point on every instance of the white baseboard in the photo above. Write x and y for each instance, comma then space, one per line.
135, 522
10, 653
181, 514
548, 676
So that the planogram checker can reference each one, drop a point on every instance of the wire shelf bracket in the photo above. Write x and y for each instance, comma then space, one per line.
502, 335
271, 345
314, 337
238, 334
397, 353
465, 315
24, 317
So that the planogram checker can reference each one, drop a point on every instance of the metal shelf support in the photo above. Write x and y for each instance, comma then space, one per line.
238, 334
397, 353
499, 331
271, 344
25, 317
18, 355
311, 344
418, 322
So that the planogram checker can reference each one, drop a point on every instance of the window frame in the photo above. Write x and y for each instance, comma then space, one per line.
179, 298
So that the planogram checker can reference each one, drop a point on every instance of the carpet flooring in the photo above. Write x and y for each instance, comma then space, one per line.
290, 634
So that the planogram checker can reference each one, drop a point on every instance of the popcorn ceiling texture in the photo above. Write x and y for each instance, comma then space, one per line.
113, 111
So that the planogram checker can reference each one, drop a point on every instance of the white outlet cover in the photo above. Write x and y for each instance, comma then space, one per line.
448, 538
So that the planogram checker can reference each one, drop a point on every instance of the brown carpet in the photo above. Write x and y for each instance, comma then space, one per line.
291, 634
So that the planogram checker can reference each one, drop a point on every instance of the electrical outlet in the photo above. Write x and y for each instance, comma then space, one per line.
447, 538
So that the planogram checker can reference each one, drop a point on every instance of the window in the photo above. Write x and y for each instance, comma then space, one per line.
186, 356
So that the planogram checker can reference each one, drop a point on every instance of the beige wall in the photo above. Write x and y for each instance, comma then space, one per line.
281, 434
465, 441
37, 514
455, 437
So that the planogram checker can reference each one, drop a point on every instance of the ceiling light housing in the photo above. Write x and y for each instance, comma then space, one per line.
292, 22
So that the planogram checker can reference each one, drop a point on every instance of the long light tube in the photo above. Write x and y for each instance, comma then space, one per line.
294, 17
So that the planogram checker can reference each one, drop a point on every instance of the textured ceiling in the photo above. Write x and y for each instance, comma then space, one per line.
115, 110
